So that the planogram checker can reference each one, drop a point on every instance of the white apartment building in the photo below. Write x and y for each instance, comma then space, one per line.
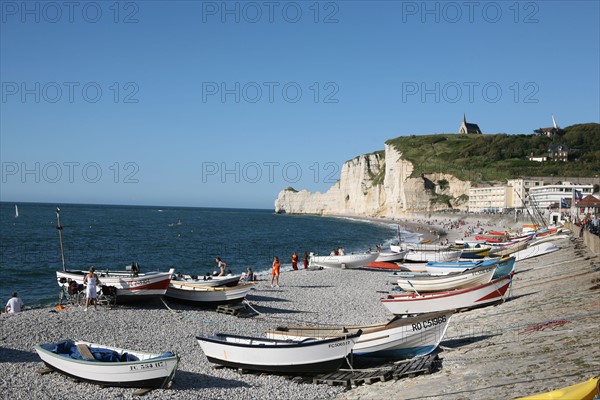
490, 199
498, 198
544, 196
520, 188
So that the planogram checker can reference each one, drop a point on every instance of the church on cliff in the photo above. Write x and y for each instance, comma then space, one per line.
466, 127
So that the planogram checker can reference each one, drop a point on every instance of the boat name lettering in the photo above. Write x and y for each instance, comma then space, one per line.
485, 271
140, 283
347, 342
158, 364
428, 323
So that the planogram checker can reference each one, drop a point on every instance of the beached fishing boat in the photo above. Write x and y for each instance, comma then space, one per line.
472, 277
209, 280
413, 267
473, 251
404, 246
426, 256
201, 294
477, 296
130, 286
491, 238
346, 261
449, 267
535, 251
279, 356
109, 366
587, 390
378, 265
398, 338
509, 248
390, 257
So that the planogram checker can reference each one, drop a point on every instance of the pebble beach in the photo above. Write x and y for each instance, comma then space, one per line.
545, 337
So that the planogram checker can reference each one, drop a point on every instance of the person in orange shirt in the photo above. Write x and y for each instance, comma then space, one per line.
275, 271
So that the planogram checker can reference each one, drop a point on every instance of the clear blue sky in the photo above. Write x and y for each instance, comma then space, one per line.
197, 103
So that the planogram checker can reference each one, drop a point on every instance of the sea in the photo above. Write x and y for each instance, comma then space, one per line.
109, 237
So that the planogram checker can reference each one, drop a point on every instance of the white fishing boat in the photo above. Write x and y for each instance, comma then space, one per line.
477, 296
130, 286
279, 356
202, 294
109, 366
535, 251
468, 278
390, 256
449, 267
346, 261
508, 249
398, 338
426, 256
209, 280
413, 267
404, 246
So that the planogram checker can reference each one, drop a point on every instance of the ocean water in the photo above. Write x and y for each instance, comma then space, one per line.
158, 238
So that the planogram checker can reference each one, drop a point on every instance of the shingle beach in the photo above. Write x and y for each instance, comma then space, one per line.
545, 337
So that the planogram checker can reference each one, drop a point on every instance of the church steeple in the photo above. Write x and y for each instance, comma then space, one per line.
465, 127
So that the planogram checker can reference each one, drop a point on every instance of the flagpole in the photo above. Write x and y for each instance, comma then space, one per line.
62, 250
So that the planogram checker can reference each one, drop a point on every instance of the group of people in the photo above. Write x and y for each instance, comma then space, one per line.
16, 305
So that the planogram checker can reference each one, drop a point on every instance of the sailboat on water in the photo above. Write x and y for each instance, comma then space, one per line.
16, 211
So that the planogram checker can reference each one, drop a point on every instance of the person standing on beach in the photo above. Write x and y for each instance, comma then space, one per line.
92, 281
295, 261
305, 259
15, 304
275, 271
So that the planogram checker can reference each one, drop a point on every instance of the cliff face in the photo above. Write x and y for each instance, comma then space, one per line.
377, 185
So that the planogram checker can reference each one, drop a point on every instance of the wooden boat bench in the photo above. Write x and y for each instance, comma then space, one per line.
85, 352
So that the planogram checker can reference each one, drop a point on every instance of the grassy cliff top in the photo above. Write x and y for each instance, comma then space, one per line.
499, 157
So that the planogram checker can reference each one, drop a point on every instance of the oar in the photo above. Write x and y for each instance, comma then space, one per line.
411, 285
62, 250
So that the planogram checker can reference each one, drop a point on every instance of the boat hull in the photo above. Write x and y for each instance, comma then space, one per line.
151, 372
472, 277
261, 354
347, 261
426, 256
535, 251
474, 297
390, 257
587, 390
399, 338
212, 281
199, 294
152, 285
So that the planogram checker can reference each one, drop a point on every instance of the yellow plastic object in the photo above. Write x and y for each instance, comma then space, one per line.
582, 391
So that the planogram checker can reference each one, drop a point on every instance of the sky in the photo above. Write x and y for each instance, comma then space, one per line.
224, 104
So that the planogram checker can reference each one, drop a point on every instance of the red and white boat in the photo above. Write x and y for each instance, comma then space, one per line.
477, 296
130, 286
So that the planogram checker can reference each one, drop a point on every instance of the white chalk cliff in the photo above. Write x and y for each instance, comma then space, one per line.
378, 185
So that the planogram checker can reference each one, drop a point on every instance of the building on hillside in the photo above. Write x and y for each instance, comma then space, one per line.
550, 131
558, 152
537, 158
543, 197
466, 127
